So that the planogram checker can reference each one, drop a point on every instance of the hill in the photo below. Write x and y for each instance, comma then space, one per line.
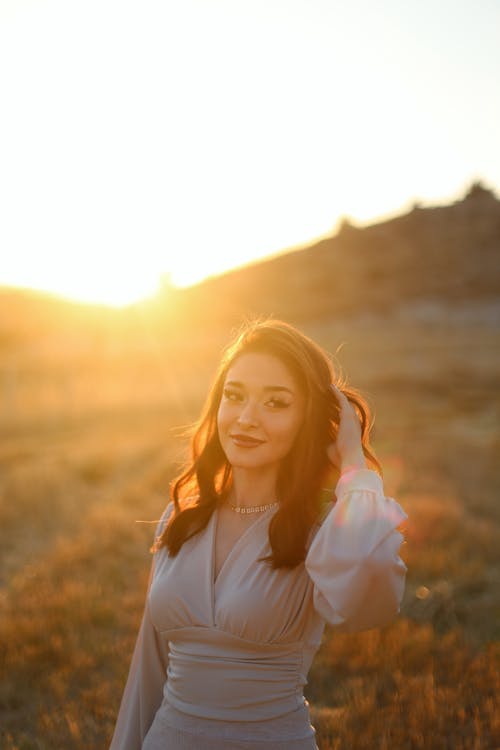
429, 258
427, 263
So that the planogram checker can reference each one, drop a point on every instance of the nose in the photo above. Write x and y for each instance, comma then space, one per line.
248, 415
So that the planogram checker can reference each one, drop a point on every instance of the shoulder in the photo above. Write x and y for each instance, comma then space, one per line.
170, 511
165, 516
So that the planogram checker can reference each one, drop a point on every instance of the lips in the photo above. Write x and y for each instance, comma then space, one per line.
245, 441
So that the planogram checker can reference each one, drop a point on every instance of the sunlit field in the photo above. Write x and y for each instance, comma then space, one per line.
91, 425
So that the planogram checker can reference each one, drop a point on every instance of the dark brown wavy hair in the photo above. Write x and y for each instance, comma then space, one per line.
207, 478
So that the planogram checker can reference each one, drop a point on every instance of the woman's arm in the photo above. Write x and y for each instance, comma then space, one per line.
143, 692
354, 558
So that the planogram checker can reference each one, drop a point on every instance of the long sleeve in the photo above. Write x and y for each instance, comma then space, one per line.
143, 692
354, 560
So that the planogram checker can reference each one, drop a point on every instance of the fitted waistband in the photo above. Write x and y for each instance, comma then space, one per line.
213, 674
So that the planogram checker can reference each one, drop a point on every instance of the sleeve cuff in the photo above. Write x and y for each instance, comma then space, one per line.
359, 479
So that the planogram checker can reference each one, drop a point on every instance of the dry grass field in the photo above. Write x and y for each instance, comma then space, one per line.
89, 442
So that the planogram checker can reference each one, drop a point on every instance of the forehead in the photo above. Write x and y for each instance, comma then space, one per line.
260, 370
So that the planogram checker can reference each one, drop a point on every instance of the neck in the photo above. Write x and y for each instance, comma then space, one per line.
253, 488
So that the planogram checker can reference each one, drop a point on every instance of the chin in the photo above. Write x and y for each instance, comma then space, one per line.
249, 462
241, 463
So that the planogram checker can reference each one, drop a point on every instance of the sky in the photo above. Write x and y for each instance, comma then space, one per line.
152, 139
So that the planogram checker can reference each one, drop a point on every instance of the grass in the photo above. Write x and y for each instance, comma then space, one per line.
79, 464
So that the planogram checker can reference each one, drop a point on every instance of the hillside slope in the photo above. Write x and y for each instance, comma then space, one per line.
447, 255
429, 263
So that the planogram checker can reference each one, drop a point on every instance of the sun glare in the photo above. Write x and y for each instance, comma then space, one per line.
146, 140
110, 292
92, 285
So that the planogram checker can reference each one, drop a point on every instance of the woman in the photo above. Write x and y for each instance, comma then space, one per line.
250, 561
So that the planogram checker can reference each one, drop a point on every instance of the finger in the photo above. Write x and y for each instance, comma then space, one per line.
341, 397
335, 390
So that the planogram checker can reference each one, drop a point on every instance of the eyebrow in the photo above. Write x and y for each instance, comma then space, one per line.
280, 388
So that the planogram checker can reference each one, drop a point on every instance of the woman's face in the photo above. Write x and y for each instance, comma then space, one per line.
260, 413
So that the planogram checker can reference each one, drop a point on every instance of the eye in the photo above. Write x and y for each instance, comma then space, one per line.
232, 395
277, 403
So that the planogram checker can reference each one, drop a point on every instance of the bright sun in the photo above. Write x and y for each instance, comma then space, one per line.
145, 141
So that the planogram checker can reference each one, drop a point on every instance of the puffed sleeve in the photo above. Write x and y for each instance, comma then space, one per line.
143, 692
353, 559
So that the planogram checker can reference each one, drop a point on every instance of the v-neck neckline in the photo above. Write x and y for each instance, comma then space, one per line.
215, 517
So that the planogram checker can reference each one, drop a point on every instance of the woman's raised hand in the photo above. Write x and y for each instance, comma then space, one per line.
346, 451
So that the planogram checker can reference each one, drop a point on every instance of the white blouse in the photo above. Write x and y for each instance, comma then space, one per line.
240, 647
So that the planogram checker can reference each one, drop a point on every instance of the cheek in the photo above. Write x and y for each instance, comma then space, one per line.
220, 419
288, 431
223, 418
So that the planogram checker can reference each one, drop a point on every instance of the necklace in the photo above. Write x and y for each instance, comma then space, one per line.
254, 508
